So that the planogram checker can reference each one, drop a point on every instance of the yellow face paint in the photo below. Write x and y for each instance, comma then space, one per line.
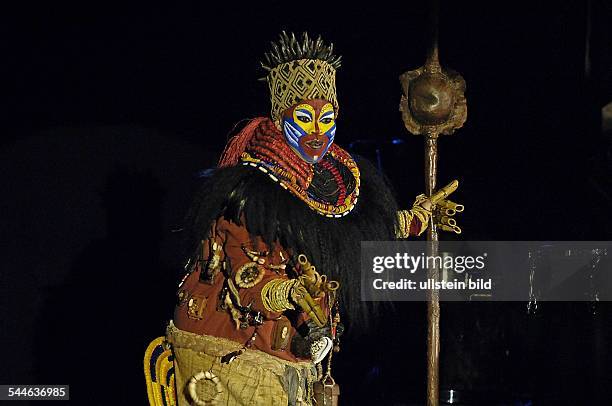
327, 118
310, 128
305, 116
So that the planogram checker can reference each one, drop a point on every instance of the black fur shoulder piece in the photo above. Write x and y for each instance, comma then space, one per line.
331, 244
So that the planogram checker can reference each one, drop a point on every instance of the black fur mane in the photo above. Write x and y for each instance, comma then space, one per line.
331, 244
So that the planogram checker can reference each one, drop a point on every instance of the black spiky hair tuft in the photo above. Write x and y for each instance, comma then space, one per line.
288, 48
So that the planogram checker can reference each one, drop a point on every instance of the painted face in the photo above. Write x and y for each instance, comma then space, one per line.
309, 128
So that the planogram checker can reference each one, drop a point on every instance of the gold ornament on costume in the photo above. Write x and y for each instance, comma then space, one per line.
249, 275
196, 307
204, 376
212, 266
275, 295
316, 284
279, 295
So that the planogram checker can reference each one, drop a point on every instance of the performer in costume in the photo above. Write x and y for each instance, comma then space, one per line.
273, 241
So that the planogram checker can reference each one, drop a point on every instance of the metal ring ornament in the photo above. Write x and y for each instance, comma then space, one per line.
204, 376
332, 285
448, 221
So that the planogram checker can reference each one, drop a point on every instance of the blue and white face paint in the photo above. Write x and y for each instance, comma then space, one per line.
310, 128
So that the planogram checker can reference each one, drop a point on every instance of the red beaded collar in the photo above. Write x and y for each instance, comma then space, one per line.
261, 145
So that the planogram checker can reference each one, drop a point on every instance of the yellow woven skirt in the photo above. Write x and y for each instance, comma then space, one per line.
253, 378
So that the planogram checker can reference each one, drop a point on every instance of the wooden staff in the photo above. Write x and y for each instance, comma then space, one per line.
433, 103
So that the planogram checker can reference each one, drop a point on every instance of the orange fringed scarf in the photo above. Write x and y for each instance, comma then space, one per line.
260, 139
238, 143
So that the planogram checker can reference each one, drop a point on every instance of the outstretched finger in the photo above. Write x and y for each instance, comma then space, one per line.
444, 192
453, 229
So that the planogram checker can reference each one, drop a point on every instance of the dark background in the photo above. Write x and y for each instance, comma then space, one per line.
113, 109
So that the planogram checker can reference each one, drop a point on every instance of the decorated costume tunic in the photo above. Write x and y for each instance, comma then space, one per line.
256, 214
273, 241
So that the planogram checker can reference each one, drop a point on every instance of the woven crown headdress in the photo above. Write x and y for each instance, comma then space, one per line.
300, 70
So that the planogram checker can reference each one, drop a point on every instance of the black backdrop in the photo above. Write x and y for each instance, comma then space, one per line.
112, 110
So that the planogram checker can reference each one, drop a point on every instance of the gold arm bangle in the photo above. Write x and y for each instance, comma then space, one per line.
275, 295
404, 218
